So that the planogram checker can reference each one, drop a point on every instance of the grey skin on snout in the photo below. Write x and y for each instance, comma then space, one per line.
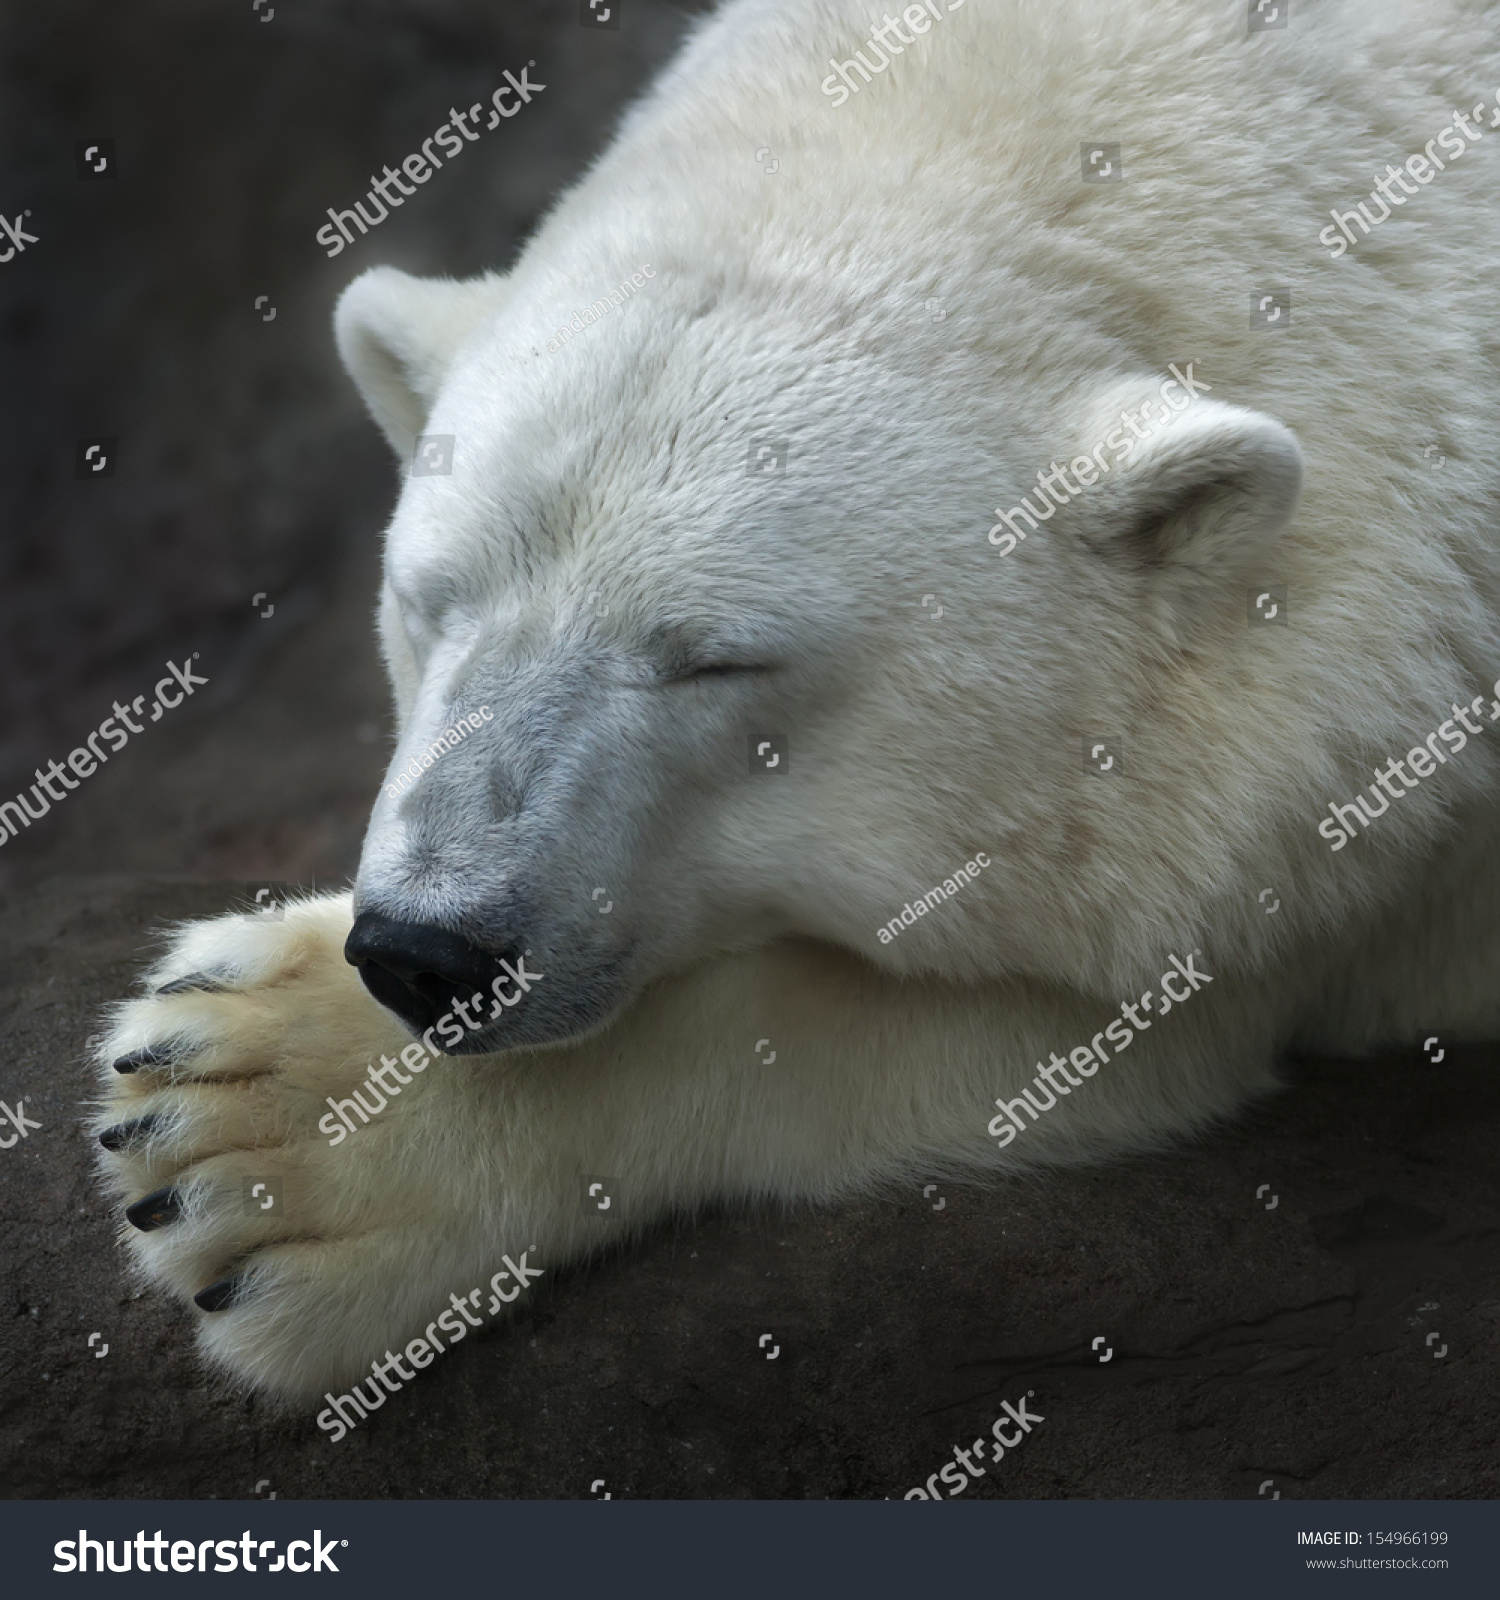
443, 890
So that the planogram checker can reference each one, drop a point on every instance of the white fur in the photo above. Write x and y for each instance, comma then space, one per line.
599, 525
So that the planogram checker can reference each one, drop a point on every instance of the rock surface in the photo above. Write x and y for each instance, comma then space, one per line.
1249, 1340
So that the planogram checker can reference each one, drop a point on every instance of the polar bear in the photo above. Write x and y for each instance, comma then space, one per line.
763, 671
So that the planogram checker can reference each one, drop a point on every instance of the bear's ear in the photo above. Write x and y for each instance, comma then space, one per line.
1197, 507
397, 335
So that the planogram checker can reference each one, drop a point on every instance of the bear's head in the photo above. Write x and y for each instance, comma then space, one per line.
703, 633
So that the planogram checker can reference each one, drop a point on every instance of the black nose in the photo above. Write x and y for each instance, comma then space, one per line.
420, 972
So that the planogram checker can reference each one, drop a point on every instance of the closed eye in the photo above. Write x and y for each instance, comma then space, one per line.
718, 669
670, 675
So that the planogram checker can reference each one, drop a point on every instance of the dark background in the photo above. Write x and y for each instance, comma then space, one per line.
1247, 1344
246, 462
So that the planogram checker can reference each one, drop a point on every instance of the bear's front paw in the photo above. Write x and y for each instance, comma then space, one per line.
302, 1256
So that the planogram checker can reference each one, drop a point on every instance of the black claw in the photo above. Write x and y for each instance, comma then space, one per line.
155, 1211
124, 1133
217, 1296
151, 1056
194, 980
